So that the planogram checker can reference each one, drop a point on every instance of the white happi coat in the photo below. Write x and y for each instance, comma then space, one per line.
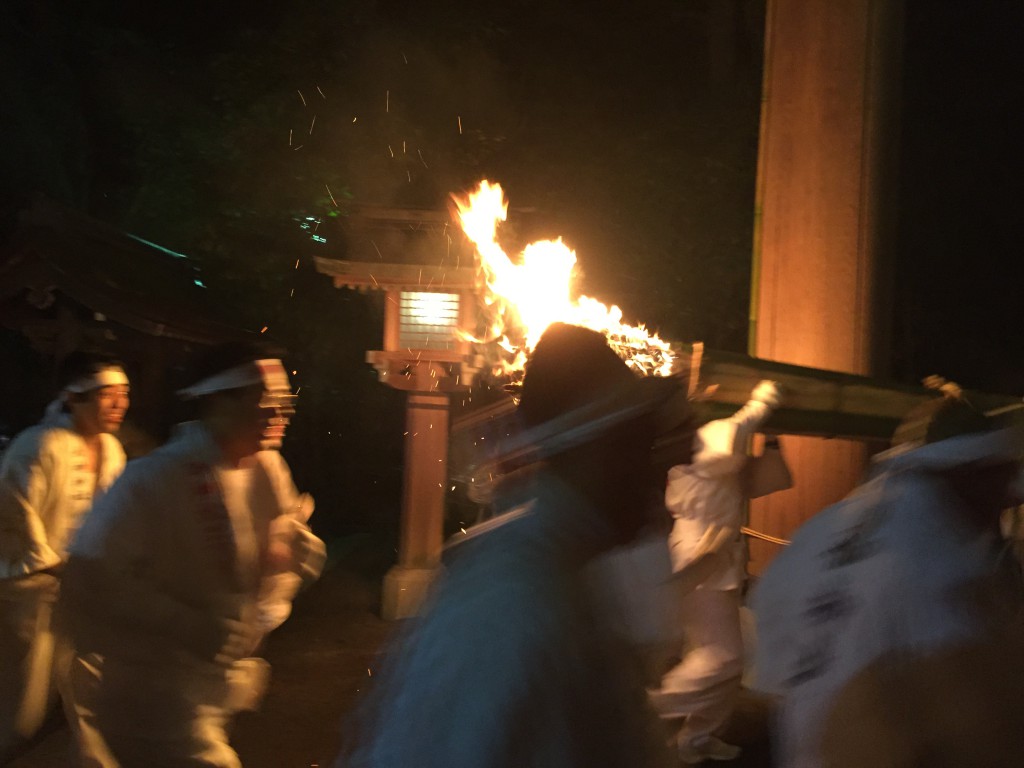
886, 574
45, 489
709, 491
180, 544
511, 664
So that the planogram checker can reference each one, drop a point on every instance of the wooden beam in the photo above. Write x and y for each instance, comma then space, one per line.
388, 276
817, 402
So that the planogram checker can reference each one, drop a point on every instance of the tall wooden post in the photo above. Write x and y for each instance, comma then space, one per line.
826, 146
423, 496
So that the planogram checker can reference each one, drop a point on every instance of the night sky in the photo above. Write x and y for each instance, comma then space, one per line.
960, 230
629, 129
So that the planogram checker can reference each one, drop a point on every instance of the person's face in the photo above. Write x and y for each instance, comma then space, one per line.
100, 410
250, 420
278, 408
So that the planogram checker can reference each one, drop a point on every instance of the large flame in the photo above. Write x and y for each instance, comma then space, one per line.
525, 296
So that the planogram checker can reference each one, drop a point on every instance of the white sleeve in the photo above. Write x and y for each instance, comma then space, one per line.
291, 502
306, 553
26, 479
749, 419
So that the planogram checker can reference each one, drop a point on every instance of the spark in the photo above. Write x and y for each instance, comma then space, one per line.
296, 263
297, 148
375, 281
421, 159
263, 329
403, 58
303, 98
289, 137
409, 175
311, 125
391, 150
321, 93
459, 117
403, 146
290, 295
379, 254
387, 101
332, 196
354, 119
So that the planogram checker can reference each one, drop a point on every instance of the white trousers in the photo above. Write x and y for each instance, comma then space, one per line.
704, 685
78, 679
26, 656
148, 721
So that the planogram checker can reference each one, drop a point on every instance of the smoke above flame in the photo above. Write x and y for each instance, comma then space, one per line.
522, 297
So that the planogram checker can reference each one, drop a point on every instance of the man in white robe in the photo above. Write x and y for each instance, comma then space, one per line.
49, 477
190, 560
513, 664
891, 626
709, 496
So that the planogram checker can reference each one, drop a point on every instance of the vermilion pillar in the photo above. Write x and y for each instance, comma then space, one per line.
826, 149
423, 495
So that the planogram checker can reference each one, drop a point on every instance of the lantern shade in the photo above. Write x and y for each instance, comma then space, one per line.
428, 320
426, 267
427, 270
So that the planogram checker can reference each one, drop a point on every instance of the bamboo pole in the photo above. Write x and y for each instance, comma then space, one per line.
816, 402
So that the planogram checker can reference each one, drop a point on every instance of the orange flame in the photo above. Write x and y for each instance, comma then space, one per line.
523, 297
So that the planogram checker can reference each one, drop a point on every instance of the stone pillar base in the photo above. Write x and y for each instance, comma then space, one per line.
404, 591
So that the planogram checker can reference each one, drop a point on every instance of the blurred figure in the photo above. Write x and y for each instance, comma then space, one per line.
189, 561
510, 663
891, 626
707, 499
49, 477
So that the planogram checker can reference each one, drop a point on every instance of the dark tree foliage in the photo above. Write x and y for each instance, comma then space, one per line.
243, 138
631, 130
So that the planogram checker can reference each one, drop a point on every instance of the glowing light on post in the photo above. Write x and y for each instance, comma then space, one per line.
523, 297
428, 320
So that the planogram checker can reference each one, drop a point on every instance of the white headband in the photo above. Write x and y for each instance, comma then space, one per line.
269, 373
108, 376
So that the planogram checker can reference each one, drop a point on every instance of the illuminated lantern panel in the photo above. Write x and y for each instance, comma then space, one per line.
428, 320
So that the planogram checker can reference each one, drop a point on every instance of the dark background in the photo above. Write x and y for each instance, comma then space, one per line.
957, 300
628, 128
